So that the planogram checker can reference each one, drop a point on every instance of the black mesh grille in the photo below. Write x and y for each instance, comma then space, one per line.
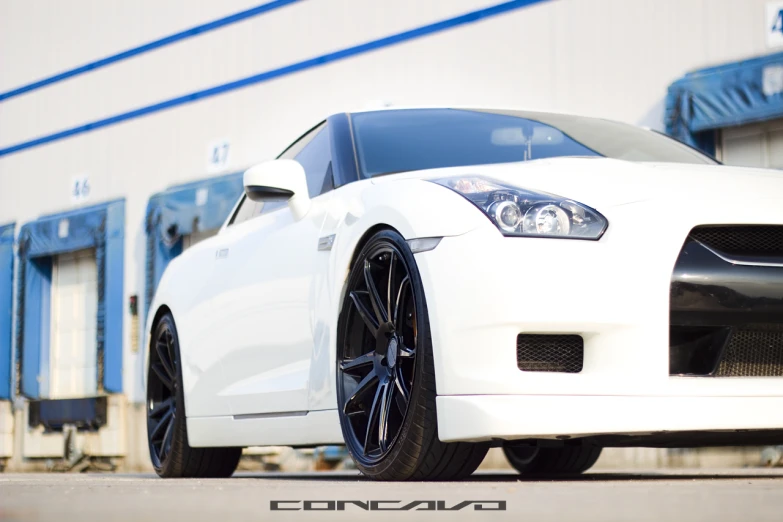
746, 240
550, 353
754, 352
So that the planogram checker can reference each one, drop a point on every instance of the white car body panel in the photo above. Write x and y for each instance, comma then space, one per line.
258, 334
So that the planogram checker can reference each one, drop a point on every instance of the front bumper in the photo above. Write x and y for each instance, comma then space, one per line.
734, 420
483, 290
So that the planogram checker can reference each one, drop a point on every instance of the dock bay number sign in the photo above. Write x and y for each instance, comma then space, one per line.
774, 23
80, 189
218, 155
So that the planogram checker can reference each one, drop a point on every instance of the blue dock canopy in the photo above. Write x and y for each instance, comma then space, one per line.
724, 96
6, 303
101, 227
180, 210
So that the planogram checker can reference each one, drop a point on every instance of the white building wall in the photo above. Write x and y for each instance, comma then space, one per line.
610, 58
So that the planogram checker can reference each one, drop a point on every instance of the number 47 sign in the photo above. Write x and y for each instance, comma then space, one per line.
774, 24
218, 155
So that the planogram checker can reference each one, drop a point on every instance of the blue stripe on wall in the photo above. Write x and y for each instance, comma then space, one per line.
156, 44
324, 59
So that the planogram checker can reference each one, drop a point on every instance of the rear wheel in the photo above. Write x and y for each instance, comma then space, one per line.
385, 372
167, 434
564, 460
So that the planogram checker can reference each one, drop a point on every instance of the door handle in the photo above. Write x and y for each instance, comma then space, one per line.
221, 253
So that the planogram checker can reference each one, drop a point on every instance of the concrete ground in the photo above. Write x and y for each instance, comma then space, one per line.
742, 495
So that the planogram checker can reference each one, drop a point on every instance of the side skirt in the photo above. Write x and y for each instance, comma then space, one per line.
283, 429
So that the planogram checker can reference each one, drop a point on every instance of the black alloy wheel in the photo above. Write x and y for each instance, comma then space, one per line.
379, 358
170, 452
161, 395
385, 371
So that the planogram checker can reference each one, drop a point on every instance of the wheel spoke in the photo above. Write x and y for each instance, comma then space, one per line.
360, 362
402, 397
170, 352
163, 375
166, 443
362, 388
407, 353
375, 298
383, 420
400, 294
389, 285
161, 408
163, 355
372, 418
162, 424
366, 315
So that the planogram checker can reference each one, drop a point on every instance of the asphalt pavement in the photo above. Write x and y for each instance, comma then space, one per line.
692, 495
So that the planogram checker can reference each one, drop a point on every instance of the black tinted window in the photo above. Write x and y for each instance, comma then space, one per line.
312, 151
246, 210
315, 158
415, 139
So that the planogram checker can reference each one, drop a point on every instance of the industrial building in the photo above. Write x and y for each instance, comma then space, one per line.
125, 127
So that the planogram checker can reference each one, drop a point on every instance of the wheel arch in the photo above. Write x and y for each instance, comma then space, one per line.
152, 323
368, 234
160, 312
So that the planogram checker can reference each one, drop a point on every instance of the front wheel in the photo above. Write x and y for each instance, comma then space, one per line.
386, 375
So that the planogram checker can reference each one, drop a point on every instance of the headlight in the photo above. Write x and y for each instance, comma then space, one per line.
522, 212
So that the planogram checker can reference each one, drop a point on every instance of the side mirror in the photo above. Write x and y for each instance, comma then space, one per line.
279, 180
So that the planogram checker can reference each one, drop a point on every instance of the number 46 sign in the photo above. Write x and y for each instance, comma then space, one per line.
80, 189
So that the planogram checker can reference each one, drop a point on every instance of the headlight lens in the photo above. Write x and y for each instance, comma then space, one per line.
521, 212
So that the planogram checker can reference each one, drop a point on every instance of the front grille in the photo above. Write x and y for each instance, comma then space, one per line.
742, 240
755, 351
550, 353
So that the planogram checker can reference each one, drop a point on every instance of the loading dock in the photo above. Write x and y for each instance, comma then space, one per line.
734, 111
69, 318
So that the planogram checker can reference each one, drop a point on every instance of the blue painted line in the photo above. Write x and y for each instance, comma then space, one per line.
324, 59
156, 44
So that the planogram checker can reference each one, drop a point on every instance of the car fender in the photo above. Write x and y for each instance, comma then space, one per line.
415, 209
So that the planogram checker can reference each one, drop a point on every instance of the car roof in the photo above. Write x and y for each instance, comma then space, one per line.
382, 107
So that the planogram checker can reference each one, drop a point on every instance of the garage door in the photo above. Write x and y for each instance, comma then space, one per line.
73, 368
759, 145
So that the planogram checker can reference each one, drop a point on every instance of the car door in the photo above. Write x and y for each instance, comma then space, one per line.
269, 267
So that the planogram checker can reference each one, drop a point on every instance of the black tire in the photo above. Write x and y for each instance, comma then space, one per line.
530, 460
167, 435
396, 352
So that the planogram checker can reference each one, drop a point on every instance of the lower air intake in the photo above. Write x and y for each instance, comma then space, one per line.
753, 352
550, 353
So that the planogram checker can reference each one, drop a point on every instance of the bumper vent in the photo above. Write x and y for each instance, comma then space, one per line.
550, 353
746, 240
753, 352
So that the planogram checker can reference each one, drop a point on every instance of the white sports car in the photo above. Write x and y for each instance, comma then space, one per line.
423, 284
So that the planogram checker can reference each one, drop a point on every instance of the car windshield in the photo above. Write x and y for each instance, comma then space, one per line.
414, 139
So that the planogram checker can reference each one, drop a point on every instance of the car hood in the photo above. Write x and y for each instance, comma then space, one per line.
604, 182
